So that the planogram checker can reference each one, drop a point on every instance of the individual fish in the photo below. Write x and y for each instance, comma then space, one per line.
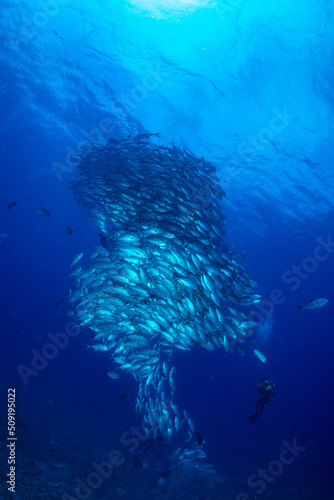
42, 211
191, 425
139, 465
259, 355
60, 303
11, 205
103, 240
76, 259
122, 396
312, 305
166, 473
199, 438
68, 230
76, 272
99, 347
111, 374
144, 135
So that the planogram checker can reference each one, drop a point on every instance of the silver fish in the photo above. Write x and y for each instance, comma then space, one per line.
166, 281
76, 259
113, 375
259, 355
312, 305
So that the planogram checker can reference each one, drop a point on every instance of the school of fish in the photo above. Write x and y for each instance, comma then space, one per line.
162, 278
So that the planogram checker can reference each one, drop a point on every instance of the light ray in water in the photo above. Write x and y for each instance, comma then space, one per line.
168, 8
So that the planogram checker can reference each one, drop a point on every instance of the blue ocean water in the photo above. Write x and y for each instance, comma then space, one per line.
247, 85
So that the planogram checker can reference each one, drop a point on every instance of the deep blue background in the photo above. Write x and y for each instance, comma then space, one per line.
275, 211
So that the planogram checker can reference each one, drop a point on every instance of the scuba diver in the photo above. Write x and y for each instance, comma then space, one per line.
267, 390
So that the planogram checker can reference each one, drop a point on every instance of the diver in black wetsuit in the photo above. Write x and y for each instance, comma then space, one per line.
267, 390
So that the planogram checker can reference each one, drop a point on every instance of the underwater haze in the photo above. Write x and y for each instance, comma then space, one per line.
166, 245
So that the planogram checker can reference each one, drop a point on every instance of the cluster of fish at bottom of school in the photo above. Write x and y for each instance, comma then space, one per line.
163, 277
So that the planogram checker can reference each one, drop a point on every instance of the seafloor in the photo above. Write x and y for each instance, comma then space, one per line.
52, 455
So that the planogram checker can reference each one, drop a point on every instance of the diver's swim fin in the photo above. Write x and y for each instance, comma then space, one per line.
253, 417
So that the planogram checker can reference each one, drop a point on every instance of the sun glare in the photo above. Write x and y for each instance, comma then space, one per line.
168, 8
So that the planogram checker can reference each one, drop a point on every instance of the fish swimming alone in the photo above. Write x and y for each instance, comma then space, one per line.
11, 205
112, 375
314, 304
68, 230
259, 355
42, 211
60, 303
166, 473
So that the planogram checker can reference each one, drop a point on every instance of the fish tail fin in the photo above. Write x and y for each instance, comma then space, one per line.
49, 213
300, 309
157, 134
